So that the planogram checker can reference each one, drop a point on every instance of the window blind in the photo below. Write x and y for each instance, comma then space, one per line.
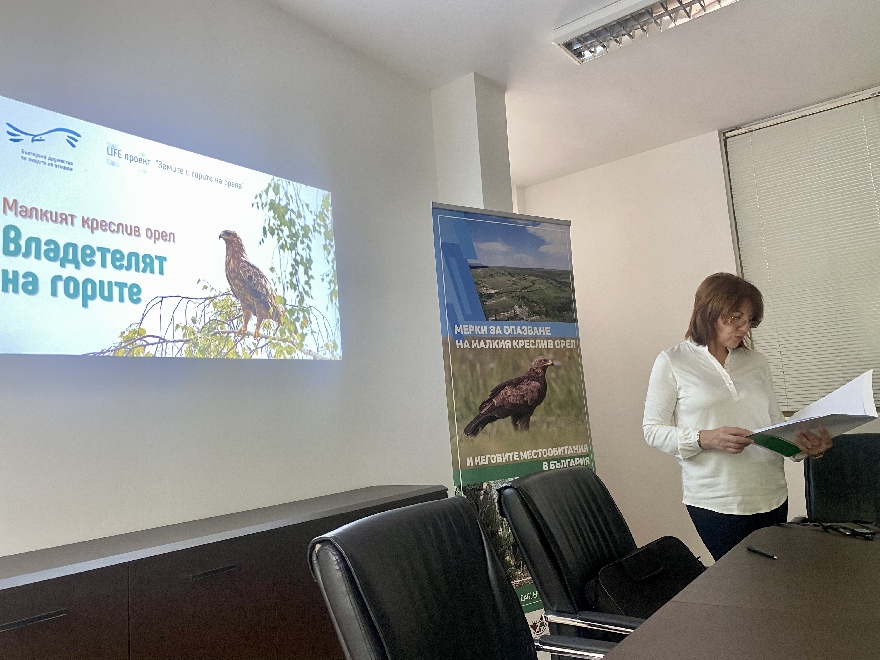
806, 217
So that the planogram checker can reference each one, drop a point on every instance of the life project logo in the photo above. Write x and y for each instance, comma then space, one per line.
18, 135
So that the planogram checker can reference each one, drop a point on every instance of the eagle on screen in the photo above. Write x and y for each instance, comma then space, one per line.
516, 398
249, 285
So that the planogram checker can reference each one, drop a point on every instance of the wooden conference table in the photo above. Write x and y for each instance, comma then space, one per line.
819, 600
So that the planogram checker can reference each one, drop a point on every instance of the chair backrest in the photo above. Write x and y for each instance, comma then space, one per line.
568, 528
420, 583
844, 485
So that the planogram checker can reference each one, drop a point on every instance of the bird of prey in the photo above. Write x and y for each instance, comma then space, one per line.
17, 135
249, 285
516, 398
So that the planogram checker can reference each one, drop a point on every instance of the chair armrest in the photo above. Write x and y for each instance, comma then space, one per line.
614, 623
573, 647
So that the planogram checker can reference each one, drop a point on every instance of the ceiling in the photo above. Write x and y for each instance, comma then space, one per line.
750, 60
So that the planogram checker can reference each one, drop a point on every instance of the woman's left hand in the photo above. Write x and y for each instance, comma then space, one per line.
814, 444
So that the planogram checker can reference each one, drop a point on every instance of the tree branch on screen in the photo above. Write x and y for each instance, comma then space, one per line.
211, 326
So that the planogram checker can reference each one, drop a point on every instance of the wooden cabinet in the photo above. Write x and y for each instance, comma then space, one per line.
214, 602
304, 633
76, 617
234, 587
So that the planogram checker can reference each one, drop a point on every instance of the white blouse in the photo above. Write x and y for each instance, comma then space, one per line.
689, 391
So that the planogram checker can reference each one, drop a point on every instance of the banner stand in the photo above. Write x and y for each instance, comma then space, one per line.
514, 376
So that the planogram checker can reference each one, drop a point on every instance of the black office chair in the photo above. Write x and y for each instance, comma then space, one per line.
844, 485
582, 556
422, 583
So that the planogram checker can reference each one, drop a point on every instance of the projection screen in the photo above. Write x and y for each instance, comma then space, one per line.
114, 245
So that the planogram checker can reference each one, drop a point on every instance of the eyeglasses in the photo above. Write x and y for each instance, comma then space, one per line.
738, 321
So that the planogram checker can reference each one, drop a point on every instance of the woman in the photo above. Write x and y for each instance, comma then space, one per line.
705, 397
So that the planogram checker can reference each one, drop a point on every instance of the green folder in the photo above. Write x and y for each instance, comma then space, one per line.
773, 443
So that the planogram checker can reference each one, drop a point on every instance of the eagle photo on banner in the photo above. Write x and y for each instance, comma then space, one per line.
516, 398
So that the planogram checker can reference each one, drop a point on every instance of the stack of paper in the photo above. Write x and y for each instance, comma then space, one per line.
843, 410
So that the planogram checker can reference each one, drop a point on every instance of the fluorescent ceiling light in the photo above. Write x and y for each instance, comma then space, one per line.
626, 21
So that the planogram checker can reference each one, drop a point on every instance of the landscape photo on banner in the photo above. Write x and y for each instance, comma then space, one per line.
514, 377
117, 245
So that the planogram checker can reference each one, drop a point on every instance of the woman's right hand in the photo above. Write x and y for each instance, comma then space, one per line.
731, 439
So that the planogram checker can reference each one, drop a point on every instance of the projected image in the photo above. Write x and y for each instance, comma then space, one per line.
117, 245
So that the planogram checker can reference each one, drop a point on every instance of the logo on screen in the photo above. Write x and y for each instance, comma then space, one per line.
18, 135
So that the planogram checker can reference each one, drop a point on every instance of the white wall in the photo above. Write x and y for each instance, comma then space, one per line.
92, 447
646, 230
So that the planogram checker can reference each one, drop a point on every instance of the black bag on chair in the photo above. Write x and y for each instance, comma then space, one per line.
640, 583
581, 553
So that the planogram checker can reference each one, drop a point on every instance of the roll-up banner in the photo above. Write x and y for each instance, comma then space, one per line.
514, 377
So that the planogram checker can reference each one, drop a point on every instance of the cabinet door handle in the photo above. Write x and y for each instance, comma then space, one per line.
40, 618
213, 572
